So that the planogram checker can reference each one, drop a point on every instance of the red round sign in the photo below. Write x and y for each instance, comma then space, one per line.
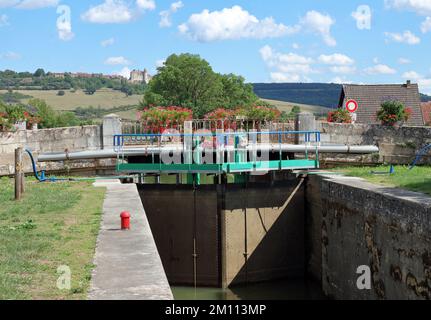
352, 106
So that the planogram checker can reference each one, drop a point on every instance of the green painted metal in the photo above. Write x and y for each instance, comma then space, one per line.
218, 168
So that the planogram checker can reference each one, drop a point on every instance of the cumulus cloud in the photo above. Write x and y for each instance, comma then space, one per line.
406, 37
380, 69
146, 4
411, 75
37, 4
4, 20
236, 23
426, 25
110, 11
125, 72
422, 7
165, 16
336, 59
319, 23
107, 42
117, 61
231, 24
404, 61
288, 67
28, 4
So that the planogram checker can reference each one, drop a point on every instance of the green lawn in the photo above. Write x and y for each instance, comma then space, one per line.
418, 179
55, 224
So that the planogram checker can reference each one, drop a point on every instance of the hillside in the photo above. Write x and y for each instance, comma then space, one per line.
315, 94
287, 107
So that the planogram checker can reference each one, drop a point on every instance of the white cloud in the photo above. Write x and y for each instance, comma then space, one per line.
231, 24
288, 67
117, 61
107, 42
64, 23
110, 11
406, 37
411, 75
425, 85
8, 3
296, 46
380, 69
160, 63
376, 60
426, 25
125, 72
146, 4
319, 23
404, 61
343, 69
363, 17
165, 16
337, 59
4, 20
10, 56
421, 7
36, 4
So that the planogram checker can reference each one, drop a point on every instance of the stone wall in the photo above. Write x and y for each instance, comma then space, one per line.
51, 140
398, 145
352, 223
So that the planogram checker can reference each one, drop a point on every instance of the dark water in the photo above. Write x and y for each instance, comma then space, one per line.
278, 290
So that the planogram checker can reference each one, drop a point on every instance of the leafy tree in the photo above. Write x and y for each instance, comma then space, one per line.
188, 81
90, 88
61, 93
39, 73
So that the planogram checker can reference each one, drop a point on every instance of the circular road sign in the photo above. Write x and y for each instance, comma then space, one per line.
352, 106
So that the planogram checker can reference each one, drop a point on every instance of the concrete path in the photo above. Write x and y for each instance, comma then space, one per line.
128, 266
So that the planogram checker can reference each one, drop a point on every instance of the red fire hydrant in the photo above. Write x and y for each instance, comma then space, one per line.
125, 220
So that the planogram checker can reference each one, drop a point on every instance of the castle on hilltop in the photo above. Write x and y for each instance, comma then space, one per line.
138, 76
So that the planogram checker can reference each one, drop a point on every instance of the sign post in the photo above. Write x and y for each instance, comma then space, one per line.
352, 106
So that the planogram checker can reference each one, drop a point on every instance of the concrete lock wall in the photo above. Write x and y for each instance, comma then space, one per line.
353, 223
243, 235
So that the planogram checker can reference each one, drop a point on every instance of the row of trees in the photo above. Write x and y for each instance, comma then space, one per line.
46, 81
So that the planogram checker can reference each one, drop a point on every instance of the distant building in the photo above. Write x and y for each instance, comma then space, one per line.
138, 76
371, 97
426, 112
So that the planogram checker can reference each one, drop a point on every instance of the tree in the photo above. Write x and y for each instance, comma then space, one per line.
39, 73
61, 93
188, 81
90, 88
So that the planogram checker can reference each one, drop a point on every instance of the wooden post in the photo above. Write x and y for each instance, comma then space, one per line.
19, 175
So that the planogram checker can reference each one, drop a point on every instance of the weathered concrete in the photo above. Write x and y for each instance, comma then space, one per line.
354, 223
128, 266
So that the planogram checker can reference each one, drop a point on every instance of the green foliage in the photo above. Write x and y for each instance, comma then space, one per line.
13, 97
61, 93
39, 73
392, 112
47, 81
90, 88
49, 118
188, 81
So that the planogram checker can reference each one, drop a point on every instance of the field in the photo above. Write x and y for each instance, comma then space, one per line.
287, 107
104, 98
54, 225
418, 179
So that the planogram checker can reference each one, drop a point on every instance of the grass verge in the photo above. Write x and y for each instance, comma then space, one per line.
55, 224
418, 179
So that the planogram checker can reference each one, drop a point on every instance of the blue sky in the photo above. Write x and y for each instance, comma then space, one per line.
265, 41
